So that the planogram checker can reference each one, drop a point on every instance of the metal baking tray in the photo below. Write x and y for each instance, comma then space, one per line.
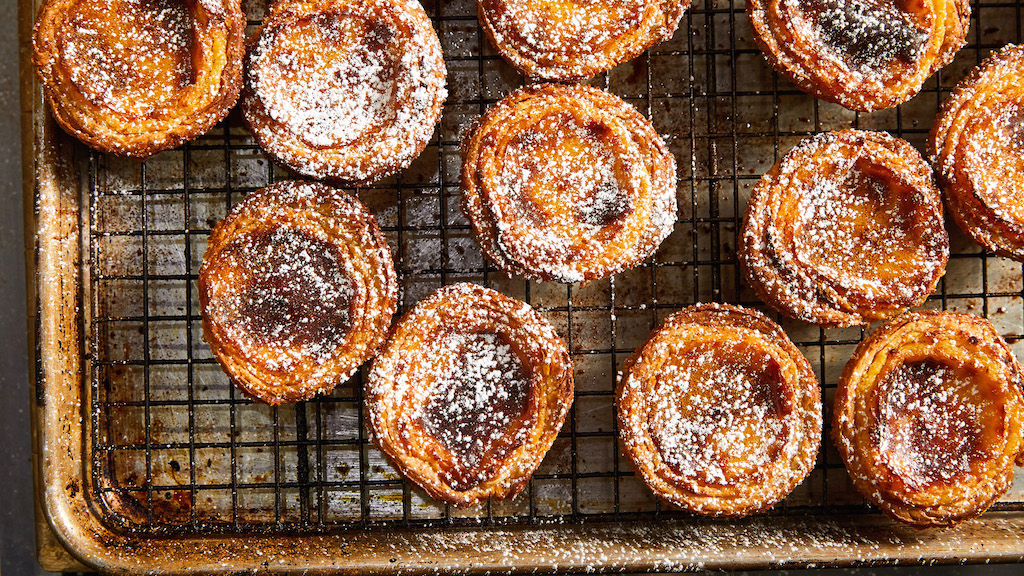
149, 461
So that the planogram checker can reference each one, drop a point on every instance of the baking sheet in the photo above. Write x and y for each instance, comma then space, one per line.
171, 448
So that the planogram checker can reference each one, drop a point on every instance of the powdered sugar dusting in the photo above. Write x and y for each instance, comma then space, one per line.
480, 390
996, 157
847, 227
581, 189
215, 7
928, 417
717, 419
570, 39
351, 94
328, 98
719, 412
978, 152
293, 302
866, 221
561, 183
469, 393
932, 422
866, 55
554, 28
134, 64
297, 290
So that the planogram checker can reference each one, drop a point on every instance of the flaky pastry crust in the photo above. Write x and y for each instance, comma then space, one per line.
719, 412
845, 229
344, 90
297, 290
572, 40
133, 78
977, 148
469, 393
928, 415
859, 54
567, 183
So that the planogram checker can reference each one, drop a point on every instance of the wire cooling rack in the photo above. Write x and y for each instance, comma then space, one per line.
176, 449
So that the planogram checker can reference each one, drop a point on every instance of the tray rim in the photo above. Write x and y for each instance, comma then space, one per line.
53, 246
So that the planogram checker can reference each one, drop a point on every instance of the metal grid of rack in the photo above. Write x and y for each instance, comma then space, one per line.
176, 449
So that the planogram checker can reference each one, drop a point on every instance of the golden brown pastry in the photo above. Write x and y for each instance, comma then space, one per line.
469, 393
928, 417
845, 229
573, 39
863, 54
297, 289
135, 77
977, 147
719, 412
344, 90
567, 183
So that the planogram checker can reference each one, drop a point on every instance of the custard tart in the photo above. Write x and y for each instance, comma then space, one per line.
862, 54
719, 412
136, 77
844, 230
928, 417
572, 39
977, 146
297, 289
567, 183
344, 90
469, 393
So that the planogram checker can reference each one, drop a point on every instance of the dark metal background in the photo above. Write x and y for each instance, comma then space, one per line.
176, 449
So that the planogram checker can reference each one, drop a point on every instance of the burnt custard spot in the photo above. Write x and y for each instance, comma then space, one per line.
934, 421
1013, 120
867, 33
297, 292
381, 35
597, 130
478, 401
605, 205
